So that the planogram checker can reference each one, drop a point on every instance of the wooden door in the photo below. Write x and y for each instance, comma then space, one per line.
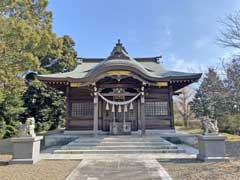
107, 117
130, 116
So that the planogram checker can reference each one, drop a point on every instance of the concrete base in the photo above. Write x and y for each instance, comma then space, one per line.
83, 132
211, 148
26, 150
148, 132
159, 131
58, 139
24, 161
118, 128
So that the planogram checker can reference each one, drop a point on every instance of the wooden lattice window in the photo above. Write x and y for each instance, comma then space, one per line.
149, 109
161, 108
130, 115
83, 109
156, 108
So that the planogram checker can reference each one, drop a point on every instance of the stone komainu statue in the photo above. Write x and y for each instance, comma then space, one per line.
27, 129
210, 126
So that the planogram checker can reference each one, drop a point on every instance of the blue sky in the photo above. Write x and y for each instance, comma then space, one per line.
184, 32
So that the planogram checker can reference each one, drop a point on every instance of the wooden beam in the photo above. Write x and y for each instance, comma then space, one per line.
119, 94
117, 86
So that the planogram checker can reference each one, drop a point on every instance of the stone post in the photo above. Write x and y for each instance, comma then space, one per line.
211, 148
26, 150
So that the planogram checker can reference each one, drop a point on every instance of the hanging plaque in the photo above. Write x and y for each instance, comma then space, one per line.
162, 84
118, 73
75, 84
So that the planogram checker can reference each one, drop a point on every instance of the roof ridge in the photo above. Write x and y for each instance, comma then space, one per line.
155, 59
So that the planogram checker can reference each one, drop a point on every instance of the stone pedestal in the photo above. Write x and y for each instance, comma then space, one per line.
127, 128
118, 128
211, 148
26, 150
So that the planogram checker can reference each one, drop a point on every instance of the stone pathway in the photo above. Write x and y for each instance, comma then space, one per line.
119, 169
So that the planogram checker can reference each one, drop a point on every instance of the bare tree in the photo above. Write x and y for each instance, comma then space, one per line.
183, 104
230, 37
230, 33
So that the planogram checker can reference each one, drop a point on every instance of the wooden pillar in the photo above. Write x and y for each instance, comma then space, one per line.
171, 107
67, 108
143, 123
95, 116
139, 113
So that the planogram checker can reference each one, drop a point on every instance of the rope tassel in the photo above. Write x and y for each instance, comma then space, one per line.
131, 106
125, 108
119, 109
107, 107
113, 108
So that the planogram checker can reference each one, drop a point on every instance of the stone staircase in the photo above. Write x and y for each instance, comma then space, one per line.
119, 145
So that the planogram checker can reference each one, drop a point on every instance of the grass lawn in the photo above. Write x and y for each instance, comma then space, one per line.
229, 137
189, 130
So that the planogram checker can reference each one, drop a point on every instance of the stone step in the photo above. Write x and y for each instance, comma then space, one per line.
135, 139
118, 143
121, 137
100, 147
119, 151
119, 140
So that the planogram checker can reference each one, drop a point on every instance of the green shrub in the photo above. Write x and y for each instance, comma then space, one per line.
44, 126
230, 124
10, 109
2, 129
46, 105
11, 130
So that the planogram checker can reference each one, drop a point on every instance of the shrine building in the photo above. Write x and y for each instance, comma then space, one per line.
119, 94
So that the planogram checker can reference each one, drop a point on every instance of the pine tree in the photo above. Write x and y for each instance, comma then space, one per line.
232, 85
209, 98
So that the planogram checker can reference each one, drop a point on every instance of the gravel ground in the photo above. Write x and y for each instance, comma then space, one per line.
43, 170
195, 170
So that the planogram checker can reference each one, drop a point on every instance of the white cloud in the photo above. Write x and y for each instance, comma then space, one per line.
180, 64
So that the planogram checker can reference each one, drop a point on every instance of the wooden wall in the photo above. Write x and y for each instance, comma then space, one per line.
78, 123
155, 94
152, 122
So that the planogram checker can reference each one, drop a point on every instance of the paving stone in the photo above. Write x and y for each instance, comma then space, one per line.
119, 170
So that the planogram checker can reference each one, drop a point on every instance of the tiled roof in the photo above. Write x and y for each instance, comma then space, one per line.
119, 58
